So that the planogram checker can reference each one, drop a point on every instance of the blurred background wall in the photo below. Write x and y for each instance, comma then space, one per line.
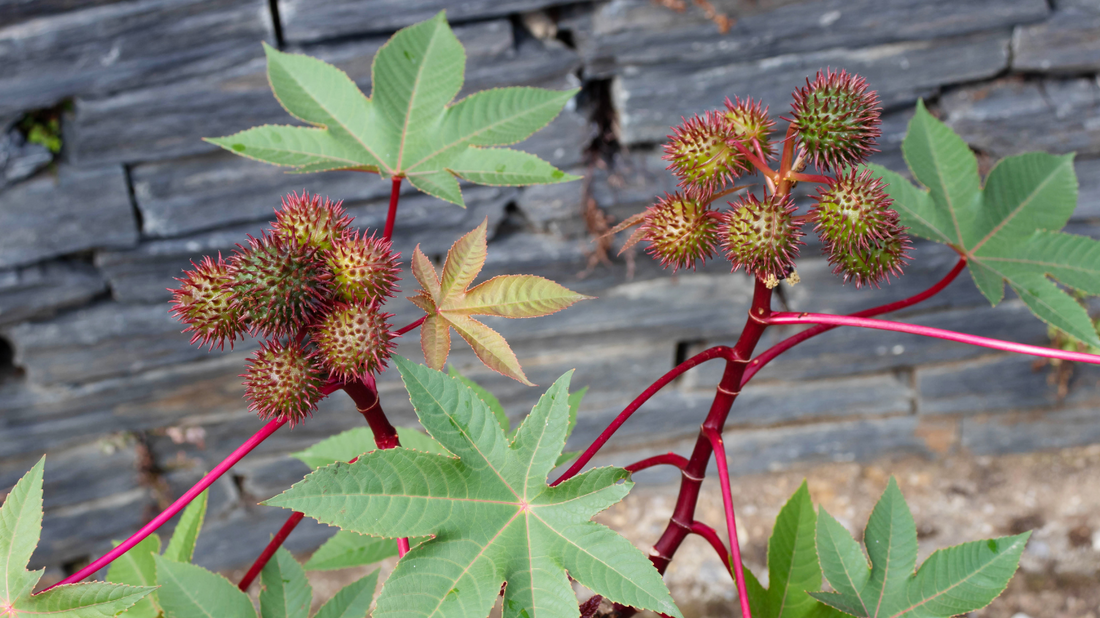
94, 371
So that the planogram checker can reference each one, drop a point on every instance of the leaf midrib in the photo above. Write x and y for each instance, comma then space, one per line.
412, 94
473, 560
1013, 213
943, 185
949, 588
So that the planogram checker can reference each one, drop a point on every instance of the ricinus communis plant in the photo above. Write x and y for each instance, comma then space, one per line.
467, 506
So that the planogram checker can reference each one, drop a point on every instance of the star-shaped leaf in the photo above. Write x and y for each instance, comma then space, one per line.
793, 568
492, 515
406, 128
951, 581
449, 304
20, 529
1008, 230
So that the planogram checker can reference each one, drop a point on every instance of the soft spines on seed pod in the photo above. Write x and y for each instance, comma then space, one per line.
874, 263
837, 119
680, 231
313, 222
362, 267
278, 283
354, 339
283, 381
749, 123
853, 211
701, 155
204, 302
762, 236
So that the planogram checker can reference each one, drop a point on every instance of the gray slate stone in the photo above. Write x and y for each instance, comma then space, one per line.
1020, 433
77, 475
1088, 189
75, 210
630, 33
1069, 42
38, 291
652, 99
102, 341
995, 383
304, 21
169, 121
20, 159
123, 45
86, 530
146, 273
15, 11
1010, 117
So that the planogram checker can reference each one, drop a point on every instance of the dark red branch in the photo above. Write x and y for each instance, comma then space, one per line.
391, 216
269, 551
771, 353
365, 395
719, 447
409, 327
669, 459
711, 536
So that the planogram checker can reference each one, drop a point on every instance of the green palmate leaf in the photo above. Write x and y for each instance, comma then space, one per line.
189, 591
137, 568
493, 518
793, 569
449, 303
181, 547
349, 549
286, 592
20, 529
952, 581
1009, 230
407, 128
486, 397
353, 601
348, 445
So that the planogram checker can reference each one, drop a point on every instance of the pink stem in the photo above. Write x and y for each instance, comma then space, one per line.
719, 447
670, 459
269, 551
928, 331
391, 216
824, 180
178, 505
402, 547
755, 160
711, 536
405, 329
769, 355
601, 440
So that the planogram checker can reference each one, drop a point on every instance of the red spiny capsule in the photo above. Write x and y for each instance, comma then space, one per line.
283, 381
362, 267
762, 236
354, 339
853, 211
749, 123
312, 222
680, 231
702, 155
279, 284
205, 305
874, 263
837, 119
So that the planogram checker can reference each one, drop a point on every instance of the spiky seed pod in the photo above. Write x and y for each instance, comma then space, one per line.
280, 284
312, 222
837, 119
354, 339
205, 305
874, 263
283, 381
749, 121
701, 155
762, 236
853, 211
680, 230
362, 267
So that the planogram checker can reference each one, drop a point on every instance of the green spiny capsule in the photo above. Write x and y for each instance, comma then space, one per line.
354, 339
205, 305
749, 123
283, 381
311, 222
762, 236
853, 212
837, 119
702, 156
680, 231
874, 263
279, 284
362, 267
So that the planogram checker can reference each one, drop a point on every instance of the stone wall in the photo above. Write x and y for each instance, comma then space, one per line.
94, 372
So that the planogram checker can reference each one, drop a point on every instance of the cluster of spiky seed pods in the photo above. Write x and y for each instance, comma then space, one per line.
312, 288
834, 124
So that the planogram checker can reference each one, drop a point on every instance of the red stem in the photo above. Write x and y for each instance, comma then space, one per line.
769, 355
405, 329
391, 216
756, 161
928, 331
719, 447
601, 440
269, 551
711, 536
178, 505
824, 180
670, 459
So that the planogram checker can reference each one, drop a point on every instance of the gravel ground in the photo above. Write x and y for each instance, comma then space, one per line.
954, 499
